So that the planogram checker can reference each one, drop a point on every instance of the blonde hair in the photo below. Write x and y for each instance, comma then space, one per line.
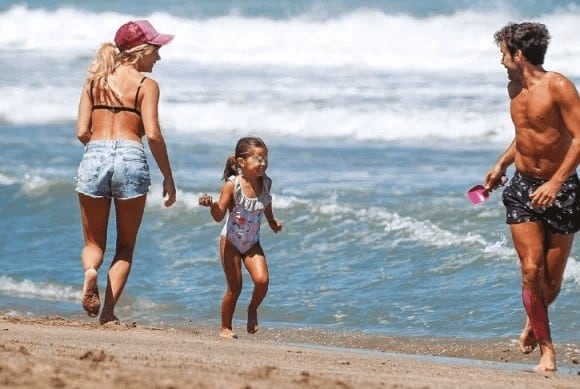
107, 59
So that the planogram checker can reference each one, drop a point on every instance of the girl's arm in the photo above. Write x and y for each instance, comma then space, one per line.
274, 224
219, 209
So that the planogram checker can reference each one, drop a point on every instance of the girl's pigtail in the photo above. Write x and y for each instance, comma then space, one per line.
231, 168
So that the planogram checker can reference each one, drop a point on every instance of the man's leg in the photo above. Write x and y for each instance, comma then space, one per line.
532, 244
558, 249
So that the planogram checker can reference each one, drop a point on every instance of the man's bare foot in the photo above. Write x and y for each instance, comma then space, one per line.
228, 334
528, 342
90, 299
548, 360
252, 325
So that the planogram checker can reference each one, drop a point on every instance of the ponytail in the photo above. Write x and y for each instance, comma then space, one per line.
101, 68
107, 59
231, 168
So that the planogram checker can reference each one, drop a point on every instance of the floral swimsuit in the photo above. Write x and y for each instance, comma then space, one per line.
242, 227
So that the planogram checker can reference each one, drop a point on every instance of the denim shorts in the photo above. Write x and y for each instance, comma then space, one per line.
562, 217
114, 169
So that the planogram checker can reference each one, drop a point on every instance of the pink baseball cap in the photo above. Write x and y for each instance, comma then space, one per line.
137, 32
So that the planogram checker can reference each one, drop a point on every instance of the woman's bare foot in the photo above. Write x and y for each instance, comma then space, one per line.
252, 325
105, 319
227, 333
90, 299
528, 342
548, 360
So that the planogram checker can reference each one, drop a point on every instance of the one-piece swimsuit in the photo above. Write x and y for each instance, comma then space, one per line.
242, 227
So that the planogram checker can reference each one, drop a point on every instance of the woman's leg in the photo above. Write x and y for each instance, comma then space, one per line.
255, 262
94, 218
232, 265
129, 214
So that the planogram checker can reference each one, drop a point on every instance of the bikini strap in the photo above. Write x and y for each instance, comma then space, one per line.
137, 93
91, 93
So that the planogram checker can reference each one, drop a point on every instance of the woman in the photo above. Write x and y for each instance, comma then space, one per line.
118, 106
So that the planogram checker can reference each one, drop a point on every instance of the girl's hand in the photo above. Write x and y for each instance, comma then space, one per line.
275, 225
205, 200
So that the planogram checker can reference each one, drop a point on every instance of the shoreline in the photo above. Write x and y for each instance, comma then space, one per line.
58, 352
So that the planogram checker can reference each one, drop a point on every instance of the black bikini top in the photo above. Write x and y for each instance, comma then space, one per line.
119, 108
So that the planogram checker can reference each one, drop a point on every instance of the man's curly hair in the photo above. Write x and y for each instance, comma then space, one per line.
531, 38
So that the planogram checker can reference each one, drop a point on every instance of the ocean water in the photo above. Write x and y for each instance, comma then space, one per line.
378, 115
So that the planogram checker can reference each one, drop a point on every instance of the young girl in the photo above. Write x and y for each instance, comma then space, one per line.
244, 197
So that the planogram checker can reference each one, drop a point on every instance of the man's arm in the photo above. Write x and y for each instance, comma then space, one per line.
567, 103
493, 177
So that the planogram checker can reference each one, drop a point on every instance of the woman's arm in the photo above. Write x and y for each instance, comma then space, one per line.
84, 121
150, 117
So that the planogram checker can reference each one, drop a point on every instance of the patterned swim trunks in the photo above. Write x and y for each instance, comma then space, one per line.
563, 217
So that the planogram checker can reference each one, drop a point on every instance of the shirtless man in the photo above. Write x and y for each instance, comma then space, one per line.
543, 198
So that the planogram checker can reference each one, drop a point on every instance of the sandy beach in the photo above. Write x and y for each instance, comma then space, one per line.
54, 352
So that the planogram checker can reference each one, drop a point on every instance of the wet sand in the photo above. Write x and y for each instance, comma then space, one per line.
54, 352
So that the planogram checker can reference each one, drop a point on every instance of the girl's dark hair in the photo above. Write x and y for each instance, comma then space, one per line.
531, 38
231, 168
243, 148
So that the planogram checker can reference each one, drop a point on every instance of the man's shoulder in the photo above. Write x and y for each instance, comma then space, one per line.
557, 79
559, 84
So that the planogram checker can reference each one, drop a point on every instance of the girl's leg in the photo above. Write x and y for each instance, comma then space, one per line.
129, 214
94, 218
257, 266
232, 265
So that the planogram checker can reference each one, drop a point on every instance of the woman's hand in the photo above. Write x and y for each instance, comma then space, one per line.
169, 192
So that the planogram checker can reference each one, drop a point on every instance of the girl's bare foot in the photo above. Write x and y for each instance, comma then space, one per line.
91, 301
252, 325
227, 333
528, 342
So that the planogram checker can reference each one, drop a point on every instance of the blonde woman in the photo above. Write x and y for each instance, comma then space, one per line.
118, 107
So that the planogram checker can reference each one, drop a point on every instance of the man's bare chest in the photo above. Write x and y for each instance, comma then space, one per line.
535, 110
